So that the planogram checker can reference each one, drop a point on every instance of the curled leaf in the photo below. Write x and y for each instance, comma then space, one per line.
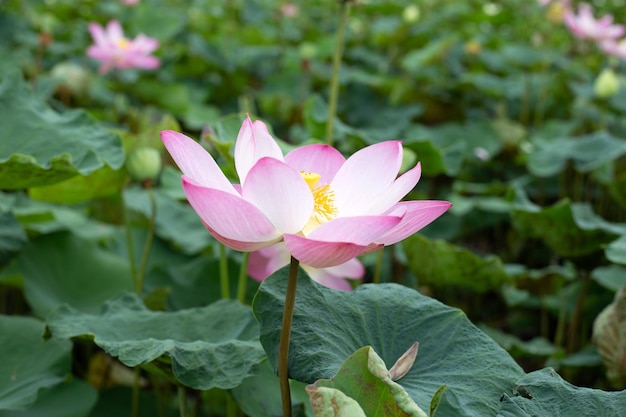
404, 364
609, 336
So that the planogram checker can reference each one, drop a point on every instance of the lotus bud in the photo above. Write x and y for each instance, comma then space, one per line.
144, 164
411, 14
404, 364
72, 77
609, 336
606, 85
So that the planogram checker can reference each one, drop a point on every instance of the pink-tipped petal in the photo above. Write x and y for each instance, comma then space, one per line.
265, 262
98, 35
228, 215
114, 30
335, 276
281, 193
321, 159
320, 254
253, 143
400, 187
239, 245
323, 277
145, 44
361, 230
145, 62
195, 162
417, 214
100, 54
365, 176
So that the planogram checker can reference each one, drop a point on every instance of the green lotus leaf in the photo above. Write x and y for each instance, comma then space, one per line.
39, 146
212, 346
329, 326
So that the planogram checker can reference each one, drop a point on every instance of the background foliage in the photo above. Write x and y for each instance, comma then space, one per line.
496, 99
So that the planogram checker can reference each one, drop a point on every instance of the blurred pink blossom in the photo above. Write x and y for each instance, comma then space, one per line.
130, 2
289, 9
584, 25
268, 260
614, 48
113, 50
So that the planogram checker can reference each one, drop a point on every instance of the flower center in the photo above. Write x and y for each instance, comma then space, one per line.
323, 199
122, 43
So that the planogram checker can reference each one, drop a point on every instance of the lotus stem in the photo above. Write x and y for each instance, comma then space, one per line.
285, 334
243, 278
135, 396
334, 82
379, 266
224, 283
148, 244
130, 247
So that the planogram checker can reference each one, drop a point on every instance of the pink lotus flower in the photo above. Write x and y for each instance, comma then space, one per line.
326, 209
584, 25
266, 261
113, 50
614, 48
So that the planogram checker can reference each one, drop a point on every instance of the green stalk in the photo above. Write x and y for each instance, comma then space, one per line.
285, 334
130, 247
224, 284
135, 395
231, 406
379, 266
148, 244
182, 401
243, 278
334, 82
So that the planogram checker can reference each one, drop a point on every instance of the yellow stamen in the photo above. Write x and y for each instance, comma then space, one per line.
311, 178
123, 43
323, 199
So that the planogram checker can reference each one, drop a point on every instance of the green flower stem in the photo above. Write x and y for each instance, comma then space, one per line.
135, 396
182, 401
231, 406
148, 244
224, 284
243, 278
285, 334
379, 266
130, 247
334, 82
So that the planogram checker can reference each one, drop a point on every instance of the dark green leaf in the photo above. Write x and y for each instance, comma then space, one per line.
438, 263
330, 325
212, 346
61, 268
39, 146
176, 222
545, 393
28, 362
71, 399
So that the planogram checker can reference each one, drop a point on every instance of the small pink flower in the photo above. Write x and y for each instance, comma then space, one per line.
289, 9
113, 50
327, 209
130, 2
614, 48
584, 25
266, 261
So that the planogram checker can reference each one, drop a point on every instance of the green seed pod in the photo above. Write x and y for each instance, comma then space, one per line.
144, 164
606, 85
